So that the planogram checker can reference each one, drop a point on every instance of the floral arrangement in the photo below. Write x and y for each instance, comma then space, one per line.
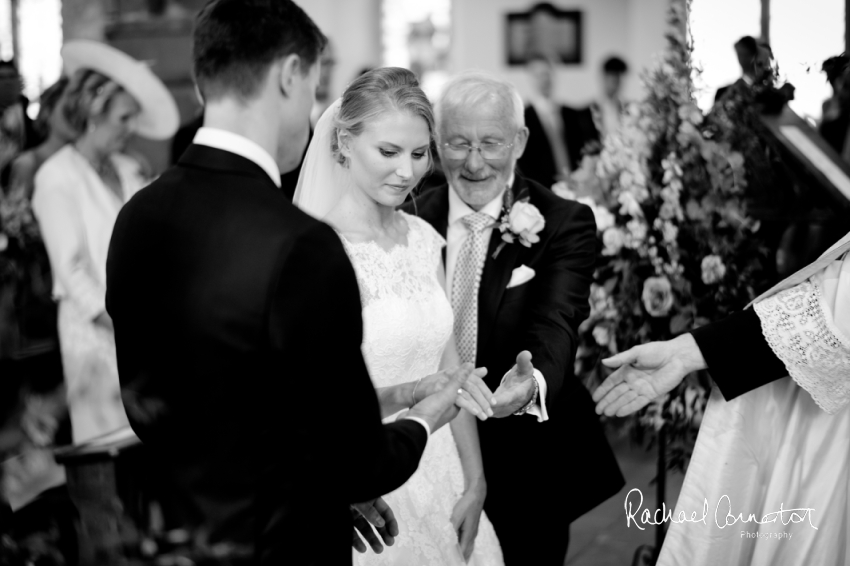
678, 247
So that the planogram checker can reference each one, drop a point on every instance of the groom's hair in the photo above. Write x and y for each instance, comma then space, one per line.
236, 42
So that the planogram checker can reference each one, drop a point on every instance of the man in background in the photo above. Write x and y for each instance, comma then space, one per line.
609, 108
557, 134
755, 65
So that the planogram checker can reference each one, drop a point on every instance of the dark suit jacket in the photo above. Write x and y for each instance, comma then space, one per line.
238, 329
537, 162
739, 84
557, 470
737, 355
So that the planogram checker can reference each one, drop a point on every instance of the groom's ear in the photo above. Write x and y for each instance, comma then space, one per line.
290, 69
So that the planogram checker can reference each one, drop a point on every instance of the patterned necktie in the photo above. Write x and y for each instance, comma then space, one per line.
465, 283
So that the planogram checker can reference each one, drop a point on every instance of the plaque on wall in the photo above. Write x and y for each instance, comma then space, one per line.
544, 30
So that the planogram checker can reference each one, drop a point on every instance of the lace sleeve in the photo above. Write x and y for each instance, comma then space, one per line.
803, 336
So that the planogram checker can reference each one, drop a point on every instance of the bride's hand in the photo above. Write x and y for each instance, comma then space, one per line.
476, 398
466, 516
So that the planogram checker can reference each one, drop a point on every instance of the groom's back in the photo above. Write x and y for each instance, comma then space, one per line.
196, 265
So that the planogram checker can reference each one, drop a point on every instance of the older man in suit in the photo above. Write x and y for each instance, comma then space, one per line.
546, 460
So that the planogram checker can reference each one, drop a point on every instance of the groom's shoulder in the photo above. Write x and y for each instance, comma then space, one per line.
252, 207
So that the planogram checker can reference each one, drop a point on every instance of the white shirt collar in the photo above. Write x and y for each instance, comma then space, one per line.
458, 209
748, 80
240, 145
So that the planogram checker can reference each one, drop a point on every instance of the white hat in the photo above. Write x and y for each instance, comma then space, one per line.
159, 118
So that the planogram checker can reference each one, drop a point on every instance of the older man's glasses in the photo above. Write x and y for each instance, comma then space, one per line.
489, 151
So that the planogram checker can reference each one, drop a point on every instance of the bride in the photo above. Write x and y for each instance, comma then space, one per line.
369, 151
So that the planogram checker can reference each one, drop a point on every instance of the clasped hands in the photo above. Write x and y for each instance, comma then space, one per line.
513, 393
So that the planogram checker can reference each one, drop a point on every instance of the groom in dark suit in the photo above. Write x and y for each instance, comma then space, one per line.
546, 461
237, 316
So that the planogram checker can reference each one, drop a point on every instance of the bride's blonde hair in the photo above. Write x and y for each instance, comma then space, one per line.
375, 92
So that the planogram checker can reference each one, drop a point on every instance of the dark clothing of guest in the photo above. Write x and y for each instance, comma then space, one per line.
184, 136
538, 161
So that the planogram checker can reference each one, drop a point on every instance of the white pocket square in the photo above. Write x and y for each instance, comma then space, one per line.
520, 275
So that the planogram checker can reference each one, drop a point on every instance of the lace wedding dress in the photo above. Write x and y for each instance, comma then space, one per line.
407, 321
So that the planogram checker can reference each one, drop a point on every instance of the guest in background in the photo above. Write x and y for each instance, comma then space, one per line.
17, 132
835, 121
186, 133
755, 65
835, 69
323, 90
557, 134
184, 136
78, 194
34, 318
33, 413
51, 126
609, 108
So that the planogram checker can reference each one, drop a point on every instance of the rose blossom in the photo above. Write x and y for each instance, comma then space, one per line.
630, 205
613, 239
637, 231
657, 296
526, 221
713, 269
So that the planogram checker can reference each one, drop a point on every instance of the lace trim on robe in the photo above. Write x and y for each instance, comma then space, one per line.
815, 353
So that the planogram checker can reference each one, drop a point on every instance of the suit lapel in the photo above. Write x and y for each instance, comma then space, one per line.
496, 275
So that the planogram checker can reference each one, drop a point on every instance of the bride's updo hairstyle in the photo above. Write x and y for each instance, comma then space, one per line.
373, 93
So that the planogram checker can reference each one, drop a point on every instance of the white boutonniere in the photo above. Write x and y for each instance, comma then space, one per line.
521, 222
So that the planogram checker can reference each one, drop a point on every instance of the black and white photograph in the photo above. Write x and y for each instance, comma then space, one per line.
424, 282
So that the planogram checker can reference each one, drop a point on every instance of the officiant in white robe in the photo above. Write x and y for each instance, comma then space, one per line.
784, 445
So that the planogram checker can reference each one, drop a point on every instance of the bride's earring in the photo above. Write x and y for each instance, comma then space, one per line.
343, 147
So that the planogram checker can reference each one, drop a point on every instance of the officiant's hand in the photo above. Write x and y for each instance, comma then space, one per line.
440, 408
373, 513
476, 397
645, 373
516, 388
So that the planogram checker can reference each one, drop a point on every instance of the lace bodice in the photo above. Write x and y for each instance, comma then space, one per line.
407, 322
407, 319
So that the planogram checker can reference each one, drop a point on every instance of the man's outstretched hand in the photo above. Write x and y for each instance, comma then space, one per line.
645, 373
517, 387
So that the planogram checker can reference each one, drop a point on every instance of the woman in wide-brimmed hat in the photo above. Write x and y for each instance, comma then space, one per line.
78, 194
